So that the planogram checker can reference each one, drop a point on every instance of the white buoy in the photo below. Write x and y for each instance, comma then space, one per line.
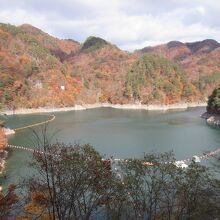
196, 159
181, 164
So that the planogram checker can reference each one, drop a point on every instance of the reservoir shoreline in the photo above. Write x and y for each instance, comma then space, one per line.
105, 105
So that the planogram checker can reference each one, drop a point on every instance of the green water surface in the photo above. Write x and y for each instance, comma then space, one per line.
118, 133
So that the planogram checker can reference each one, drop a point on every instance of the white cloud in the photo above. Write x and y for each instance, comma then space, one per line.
201, 10
130, 24
21, 16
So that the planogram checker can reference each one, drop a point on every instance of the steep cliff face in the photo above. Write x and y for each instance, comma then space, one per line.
37, 69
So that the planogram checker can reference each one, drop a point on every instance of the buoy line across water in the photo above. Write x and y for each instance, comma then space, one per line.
52, 117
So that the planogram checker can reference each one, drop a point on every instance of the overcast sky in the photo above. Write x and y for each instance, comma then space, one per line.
130, 24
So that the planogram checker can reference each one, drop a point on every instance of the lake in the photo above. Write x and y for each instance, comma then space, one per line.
118, 133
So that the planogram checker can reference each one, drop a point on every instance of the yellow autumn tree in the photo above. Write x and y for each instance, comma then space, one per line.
37, 207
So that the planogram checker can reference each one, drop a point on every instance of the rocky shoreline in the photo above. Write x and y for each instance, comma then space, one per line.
211, 119
106, 105
9, 131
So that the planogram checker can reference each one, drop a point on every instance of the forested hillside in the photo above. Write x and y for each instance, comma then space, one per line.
156, 79
200, 60
31, 70
39, 70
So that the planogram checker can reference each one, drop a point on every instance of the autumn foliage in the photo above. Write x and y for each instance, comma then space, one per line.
73, 182
38, 70
3, 139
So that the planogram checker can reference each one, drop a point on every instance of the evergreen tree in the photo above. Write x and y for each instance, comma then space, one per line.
214, 102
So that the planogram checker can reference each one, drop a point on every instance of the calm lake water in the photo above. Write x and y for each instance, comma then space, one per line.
118, 133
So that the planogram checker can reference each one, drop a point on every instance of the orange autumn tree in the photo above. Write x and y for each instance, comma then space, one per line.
3, 140
37, 208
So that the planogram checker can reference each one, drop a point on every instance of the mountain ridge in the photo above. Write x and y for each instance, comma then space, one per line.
192, 46
37, 69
